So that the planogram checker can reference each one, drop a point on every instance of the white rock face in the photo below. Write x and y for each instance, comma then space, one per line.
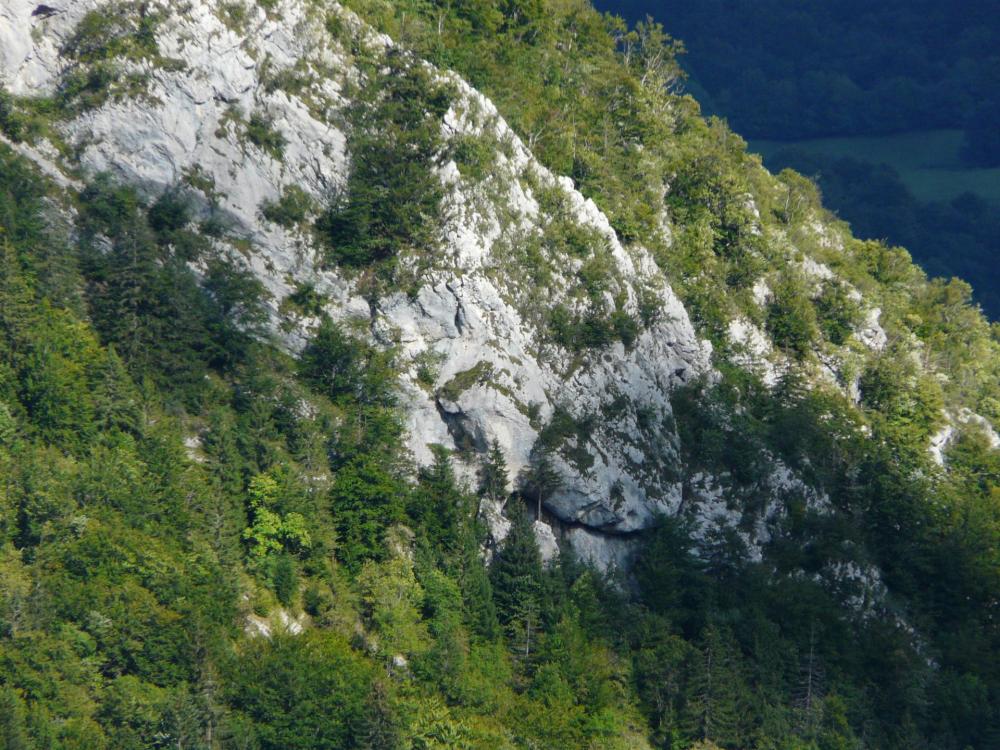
547, 543
472, 313
753, 350
871, 333
965, 420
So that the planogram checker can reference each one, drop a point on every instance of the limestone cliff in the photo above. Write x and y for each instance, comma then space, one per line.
180, 115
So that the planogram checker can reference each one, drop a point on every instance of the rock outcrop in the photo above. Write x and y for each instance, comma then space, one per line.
473, 322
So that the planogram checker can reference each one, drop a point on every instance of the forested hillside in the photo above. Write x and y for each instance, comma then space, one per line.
243, 504
794, 72
787, 71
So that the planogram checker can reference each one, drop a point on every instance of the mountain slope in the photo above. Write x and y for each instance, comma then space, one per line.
294, 279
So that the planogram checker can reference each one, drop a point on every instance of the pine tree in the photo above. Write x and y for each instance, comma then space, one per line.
542, 479
517, 583
712, 706
116, 399
493, 477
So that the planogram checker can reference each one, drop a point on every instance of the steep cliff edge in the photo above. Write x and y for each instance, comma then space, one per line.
472, 314
329, 332
521, 317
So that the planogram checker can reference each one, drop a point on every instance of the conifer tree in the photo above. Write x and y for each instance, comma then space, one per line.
477, 592
712, 706
116, 399
542, 480
13, 732
517, 583
438, 505
493, 476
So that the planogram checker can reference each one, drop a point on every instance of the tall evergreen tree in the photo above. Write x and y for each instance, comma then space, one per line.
517, 583
713, 690
493, 476
116, 399
13, 730
542, 479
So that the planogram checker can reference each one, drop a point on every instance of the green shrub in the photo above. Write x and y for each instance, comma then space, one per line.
261, 133
591, 330
307, 300
837, 313
474, 155
118, 30
290, 209
171, 212
791, 317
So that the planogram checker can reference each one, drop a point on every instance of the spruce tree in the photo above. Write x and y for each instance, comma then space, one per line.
493, 476
13, 732
116, 399
477, 592
542, 480
438, 505
713, 691
517, 583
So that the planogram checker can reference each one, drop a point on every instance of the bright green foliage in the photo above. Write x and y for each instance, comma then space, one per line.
391, 597
269, 531
791, 319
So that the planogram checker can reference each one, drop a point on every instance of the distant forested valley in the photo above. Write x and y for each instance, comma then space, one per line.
793, 71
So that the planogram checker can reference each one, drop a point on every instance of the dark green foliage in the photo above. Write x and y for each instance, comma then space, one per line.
837, 313
437, 505
392, 199
307, 299
791, 317
290, 209
474, 156
13, 728
147, 302
671, 576
261, 133
517, 573
493, 475
284, 579
171, 480
346, 369
592, 330
712, 710
170, 213
302, 693
14, 124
